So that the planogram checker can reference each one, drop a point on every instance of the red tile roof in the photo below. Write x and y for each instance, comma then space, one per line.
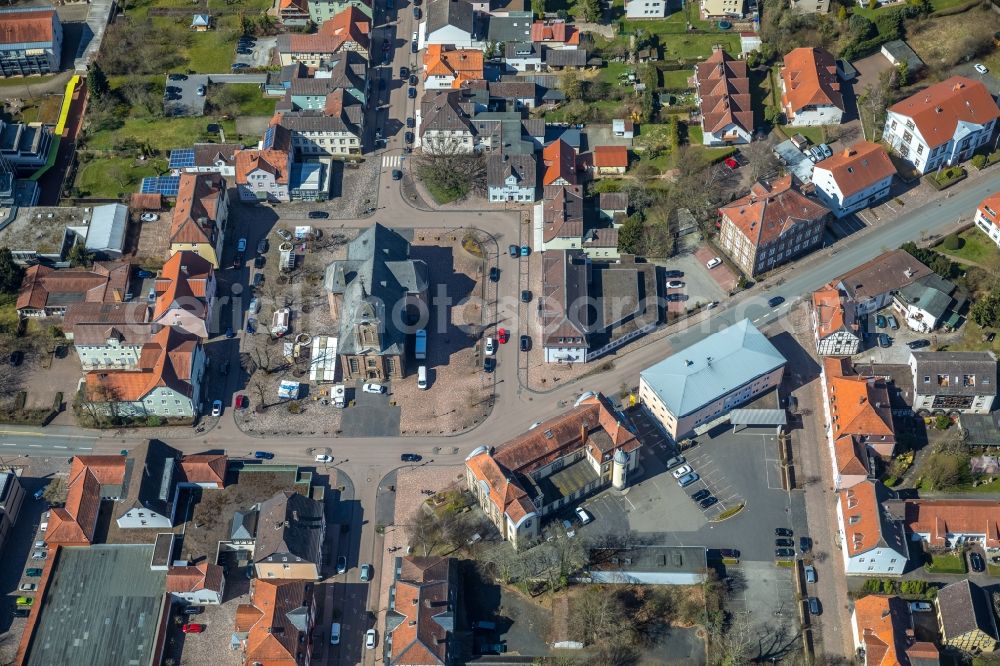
73, 524
201, 576
990, 208
937, 110
183, 283
772, 209
555, 31
271, 637
151, 201
883, 623
860, 508
27, 26
560, 163
350, 25
463, 64
274, 162
810, 78
940, 517
611, 156
562, 212
422, 590
205, 468
851, 456
106, 282
198, 198
858, 405
860, 166
164, 361
834, 312
724, 92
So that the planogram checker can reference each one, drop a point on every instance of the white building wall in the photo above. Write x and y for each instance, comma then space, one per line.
988, 228
828, 191
875, 562
450, 35
901, 133
640, 9
108, 356
730, 134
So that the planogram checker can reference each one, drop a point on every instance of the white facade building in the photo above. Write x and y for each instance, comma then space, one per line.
640, 9
963, 382
855, 178
872, 542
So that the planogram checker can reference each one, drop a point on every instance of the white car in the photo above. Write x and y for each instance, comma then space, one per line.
370, 639
534, 425
491, 346
675, 284
216, 408
920, 607
582, 514
681, 471
323, 458
254, 305
28, 587
335, 633
373, 388
981, 68
149, 217
284, 234
712, 263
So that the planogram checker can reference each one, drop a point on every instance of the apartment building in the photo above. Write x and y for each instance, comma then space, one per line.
854, 178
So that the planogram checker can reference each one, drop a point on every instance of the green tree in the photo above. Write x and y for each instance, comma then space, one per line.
97, 81
904, 72
538, 8
590, 10
630, 235
56, 491
842, 13
10, 273
986, 311
572, 87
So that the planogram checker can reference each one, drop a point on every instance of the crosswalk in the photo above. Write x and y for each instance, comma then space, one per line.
391, 161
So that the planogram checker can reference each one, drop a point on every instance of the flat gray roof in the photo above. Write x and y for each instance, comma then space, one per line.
652, 559
711, 368
101, 606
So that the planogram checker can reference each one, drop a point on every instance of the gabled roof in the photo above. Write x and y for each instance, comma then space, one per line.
938, 518
349, 26
441, 110
724, 92
463, 64
611, 156
42, 286
422, 617
964, 373
810, 78
275, 621
990, 208
562, 212
192, 578
454, 13
501, 166
860, 166
938, 110
165, 361
90, 478
858, 405
890, 271
204, 468
290, 528
850, 456
149, 479
560, 162
28, 26
772, 209
867, 524
965, 607
274, 162
198, 198
558, 32
694, 376
834, 312
882, 624
183, 284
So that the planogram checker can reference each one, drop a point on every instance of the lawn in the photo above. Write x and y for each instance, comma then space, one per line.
160, 133
42, 110
249, 97
939, 42
113, 177
815, 133
976, 248
952, 563
677, 80
26, 81
690, 47
612, 73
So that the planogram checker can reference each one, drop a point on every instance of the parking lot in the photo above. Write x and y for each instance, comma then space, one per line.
259, 56
897, 353
762, 601
698, 285
181, 96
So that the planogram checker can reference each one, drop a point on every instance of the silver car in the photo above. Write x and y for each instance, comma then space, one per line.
687, 479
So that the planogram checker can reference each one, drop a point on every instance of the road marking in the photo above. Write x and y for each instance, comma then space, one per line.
391, 161
9, 444
26, 433
35, 446
58, 447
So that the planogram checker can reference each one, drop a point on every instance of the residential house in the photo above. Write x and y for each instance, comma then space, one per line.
199, 221
560, 216
291, 13
263, 174
276, 627
640, 9
559, 160
347, 31
523, 56
25, 146
197, 584
204, 470
610, 160
167, 383
613, 207
860, 417
965, 618
872, 285
336, 131
512, 26
514, 96
290, 532
446, 68
321, 11
881, 626
810, 90
91, 479
723, 87
872, 541
446, 123
836, 330
701, 383
372, 293
108, 335
555, 34
930, 302
987, 217
512, 177
950, 381
47, 234
943, 124
217, 158
810, 6
11, 500
316, 90
30, 42
855, 178
452, 23
713, 10
552, 467
772, 225
47, 292
950, 523
591, 307
601, 243
185, 294
423, 612
147, 497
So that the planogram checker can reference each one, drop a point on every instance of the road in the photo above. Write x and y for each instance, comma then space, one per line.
51, 441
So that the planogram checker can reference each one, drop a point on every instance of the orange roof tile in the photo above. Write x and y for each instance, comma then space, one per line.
555, 31
164, 361
940, 517
860, 166
810, 78
611, 156
882, 622
466, 64
560, 162
724, 92
833, 312
205, 468
850, 456
105, 282
860, 507
75, 521
858, 405
772, 209
990, 208
350, 25
421, 593
198, 198
201, 576
274, 162
27, 27
272, 639
183, 283
937, 110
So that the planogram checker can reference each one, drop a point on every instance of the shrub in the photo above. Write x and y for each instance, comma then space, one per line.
952, 242
942, 422
294, 408
154, 421
890, 481
57, 402
979, 161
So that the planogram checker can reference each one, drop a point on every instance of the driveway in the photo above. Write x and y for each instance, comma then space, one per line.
260, 55
989, 79
724, 276
699, 287
190, 102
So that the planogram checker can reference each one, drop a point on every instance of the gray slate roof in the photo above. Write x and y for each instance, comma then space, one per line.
456, 13
244, 525
982, 366
149, 479
289, 525
317, 121
500, 166
932, 294
441, 111
565, 57
515, 27
965, 607
697, 375
377, 274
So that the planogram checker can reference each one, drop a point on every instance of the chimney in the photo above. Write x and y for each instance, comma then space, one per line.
583, 432
184, 269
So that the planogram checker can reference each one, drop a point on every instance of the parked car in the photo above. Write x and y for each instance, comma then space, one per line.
976, 562
513, 251
981, 68
284, 234
884, 340
40, 555
494, 274
805, 544
814, 607
687, 480
674, 298
258, 279
411, 123
409, 457
784, 553
149, 217
404, 73
241, 245
918, 344
263, 455
216, 408
201, 91
782, 532
880, 321
366, 573
489, 364
707, 502
681, 471
25, 601
28, 587
324, 458
411, 92
921, 607
241, 401
525, 343
582, 514
193, 628
33, 572
712, 263
893, 324
673, 274
397, 174
262, 246
675, 461
416, 13
371, 387
240, 65
810, 573
178, 77
370, 639
318, 215
729, 553
22, 611
229, 333
784, 543
491, 346
193, 610
335, 633
341, 564
525, 295
701, 494
503, 335
675, 284
775, 301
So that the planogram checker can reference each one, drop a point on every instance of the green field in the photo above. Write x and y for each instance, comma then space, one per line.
952, 563
677, 79
248, 96
976, 248
160, 133
113, 177
816, 133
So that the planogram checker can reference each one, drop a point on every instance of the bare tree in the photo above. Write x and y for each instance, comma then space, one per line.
261, 393
56, 491
425, 532
762, 162
875, 99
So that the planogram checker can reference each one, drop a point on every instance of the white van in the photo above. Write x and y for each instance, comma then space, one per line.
422, 377
335, 633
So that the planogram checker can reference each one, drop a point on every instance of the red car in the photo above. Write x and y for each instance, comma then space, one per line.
241, 401
193, 628
731, 163
503, 335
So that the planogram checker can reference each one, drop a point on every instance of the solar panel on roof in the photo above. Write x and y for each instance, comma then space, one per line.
164, 185
269, 137
181, 158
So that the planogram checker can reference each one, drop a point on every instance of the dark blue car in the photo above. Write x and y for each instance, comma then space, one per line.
263, 455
